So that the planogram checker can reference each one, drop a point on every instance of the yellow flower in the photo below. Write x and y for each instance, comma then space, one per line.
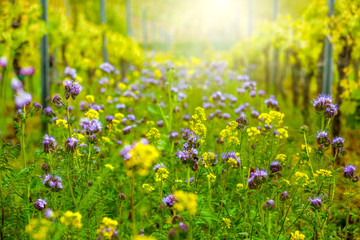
148, 189
153, 135
161, 174
90, 98
297, 236
142, 157
92, 114
71, 219
186, 201
106, 139
230, 133
322, 173
283, 133
119, 116
303, 147
211, 177
61, 122
107, 228
157, 74
227, 223
303, 177
232, 162
122, 86
38, 228
109, 167
208, 158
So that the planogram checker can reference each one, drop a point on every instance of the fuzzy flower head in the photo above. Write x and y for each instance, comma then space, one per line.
71, 219
275, 166
107, 229
71, 144
140, 157
316, 202
72, 88
186, 201
338, 142
90, 126
71, 72
321, 102
40, 204
323, 138
349, 171
53, 182
269, 204
3, 62
16, 84
170, 200
107, 67
27, 71
48, 143
22, 99
231, 158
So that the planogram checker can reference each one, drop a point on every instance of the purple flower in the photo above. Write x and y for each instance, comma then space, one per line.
159, 165
109, 118
49, 213
127, 129
338, 142
253, 93
316, 202
183, 226
349, 171
71, 144
160, 123
261, 93
275, 167
260, 176
16, 84
48, 111
322, 102
169, 200
173, 135
53, 182
40, 204
70, 72
131, 117
72, 88
330, 111
227, 155
284, 196
22, 99
271, 102
56, 99
90, 126
3, 62
269, 204
37, 106
27, 71
107, 67
322, 138
48, 143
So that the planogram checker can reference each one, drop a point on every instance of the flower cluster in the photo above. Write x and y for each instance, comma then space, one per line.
53, 182
71, 219
325, 105
139, 157
72, 88
107, 229
185, 201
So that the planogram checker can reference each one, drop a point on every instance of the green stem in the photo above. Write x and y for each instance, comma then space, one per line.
2, 209
132, 203
68, 116
348, 213
70, 187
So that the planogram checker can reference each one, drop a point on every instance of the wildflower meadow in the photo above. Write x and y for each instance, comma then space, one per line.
106, 136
